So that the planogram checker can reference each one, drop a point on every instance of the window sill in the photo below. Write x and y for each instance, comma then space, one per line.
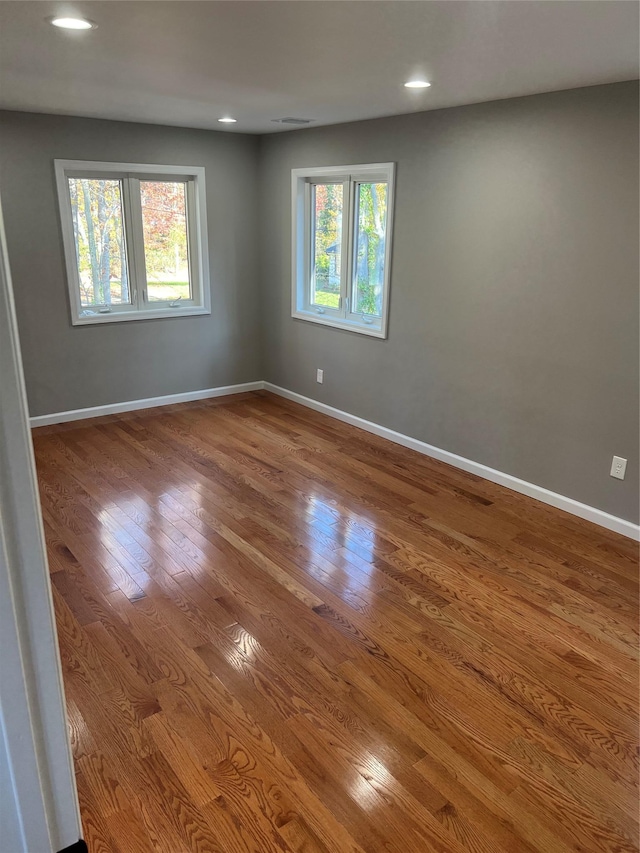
374, 331
124, 316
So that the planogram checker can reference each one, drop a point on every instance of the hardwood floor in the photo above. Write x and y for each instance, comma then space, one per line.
280, 633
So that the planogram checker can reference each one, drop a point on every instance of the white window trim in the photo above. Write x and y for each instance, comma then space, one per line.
197, 236
301, 181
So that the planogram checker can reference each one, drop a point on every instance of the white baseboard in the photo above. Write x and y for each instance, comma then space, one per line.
149, 403
597, 516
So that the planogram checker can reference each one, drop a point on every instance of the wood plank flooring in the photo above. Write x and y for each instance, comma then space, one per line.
280, 633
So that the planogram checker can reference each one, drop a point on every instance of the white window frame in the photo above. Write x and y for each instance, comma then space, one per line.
302, 181
129, 173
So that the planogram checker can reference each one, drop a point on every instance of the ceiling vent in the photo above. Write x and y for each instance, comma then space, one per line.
292, 120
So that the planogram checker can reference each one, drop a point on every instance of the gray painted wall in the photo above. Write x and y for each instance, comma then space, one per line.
513, 330
70, 367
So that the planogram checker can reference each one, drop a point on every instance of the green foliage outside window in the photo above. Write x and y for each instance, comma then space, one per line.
96, 211
369, 248
164, 224
328, 243
97, 215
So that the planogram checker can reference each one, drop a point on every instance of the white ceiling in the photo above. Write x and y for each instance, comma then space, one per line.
188, 63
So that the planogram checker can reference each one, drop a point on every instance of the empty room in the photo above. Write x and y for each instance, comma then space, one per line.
319, 426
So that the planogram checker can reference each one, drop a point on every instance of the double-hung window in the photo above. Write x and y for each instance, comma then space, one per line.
135, 240
342, 220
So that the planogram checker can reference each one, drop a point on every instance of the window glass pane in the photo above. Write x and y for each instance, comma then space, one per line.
101, 251
164, 225
327, 245
370, 242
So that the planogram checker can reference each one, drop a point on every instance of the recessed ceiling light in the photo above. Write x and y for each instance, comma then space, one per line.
228, 120
417, 84
73, 23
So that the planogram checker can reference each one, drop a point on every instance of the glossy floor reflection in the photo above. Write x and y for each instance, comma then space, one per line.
280, 633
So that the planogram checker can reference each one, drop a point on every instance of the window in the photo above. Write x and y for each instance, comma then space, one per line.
342, 218
135, 240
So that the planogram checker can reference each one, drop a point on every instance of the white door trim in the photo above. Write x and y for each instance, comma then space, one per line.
35, 756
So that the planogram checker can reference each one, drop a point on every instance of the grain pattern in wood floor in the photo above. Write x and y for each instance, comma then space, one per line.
281, 633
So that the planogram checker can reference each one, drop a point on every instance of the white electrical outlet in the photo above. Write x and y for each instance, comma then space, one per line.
618, 467
320, 376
